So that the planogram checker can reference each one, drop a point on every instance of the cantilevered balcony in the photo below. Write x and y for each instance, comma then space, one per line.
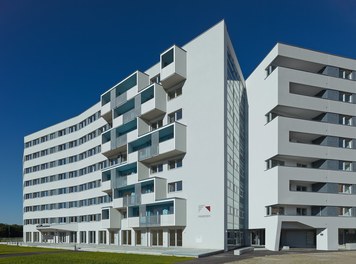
114, 141
126, 196
144, 192
173, 66
148, 104
117, 177
110, 218
165, 142
171, 212
126, 112
121, 92
153, 102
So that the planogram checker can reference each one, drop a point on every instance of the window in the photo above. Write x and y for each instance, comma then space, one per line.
301, 188
175, 237
156, 79
167, 58
346, 165
138, 237
174, 93
345, 188
301, 165
126, 237
344, 211
157, 124
345, 97
301, 211
177, 115
275, 210
270, 69
175, 186
61, 132
156, 168
345, 120
270, 116
346, 143
52, 136
172, 164
273, 163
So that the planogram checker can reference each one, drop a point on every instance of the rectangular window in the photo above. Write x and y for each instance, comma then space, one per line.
105, 214
346, 97
301, 211
273, 163
345, 120
301, 188
172, 164
174, 93
175, 186
157, 124
345, 188
275, 210
177, 115
346, 166
156, 168
346, 143
167, 58
138, 237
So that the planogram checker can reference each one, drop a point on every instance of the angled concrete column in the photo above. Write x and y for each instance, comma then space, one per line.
273, 233
327, 238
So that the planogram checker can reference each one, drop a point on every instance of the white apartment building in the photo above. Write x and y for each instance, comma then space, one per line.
302, 157
161, 160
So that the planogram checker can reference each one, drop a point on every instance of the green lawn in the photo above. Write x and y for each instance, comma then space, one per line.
81, 257
5, 249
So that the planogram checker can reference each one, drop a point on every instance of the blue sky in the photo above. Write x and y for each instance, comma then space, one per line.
58, 56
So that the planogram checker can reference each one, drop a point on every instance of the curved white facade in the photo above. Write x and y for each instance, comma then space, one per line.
168, 167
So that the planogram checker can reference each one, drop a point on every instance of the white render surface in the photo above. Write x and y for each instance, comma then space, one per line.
138, 215
296, 115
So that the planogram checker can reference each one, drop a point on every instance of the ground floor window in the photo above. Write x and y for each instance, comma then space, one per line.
92, 237
28, 237
62, 237
112, 237
347, 236
126, 237
257, 237
36, 237
157, 237
73, 237
138, 237
83, 237
102, 237
176, 237
234, 237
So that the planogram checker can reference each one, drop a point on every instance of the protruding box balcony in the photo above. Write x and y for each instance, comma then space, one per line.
106, 185
153, 102
130, 222
117, 177
173, 66
114, 141
121, 92
165, 142
171, 212
110, 218
125, 113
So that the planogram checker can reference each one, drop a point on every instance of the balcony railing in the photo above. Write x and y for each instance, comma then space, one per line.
147, 152
151, 220
132, 200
